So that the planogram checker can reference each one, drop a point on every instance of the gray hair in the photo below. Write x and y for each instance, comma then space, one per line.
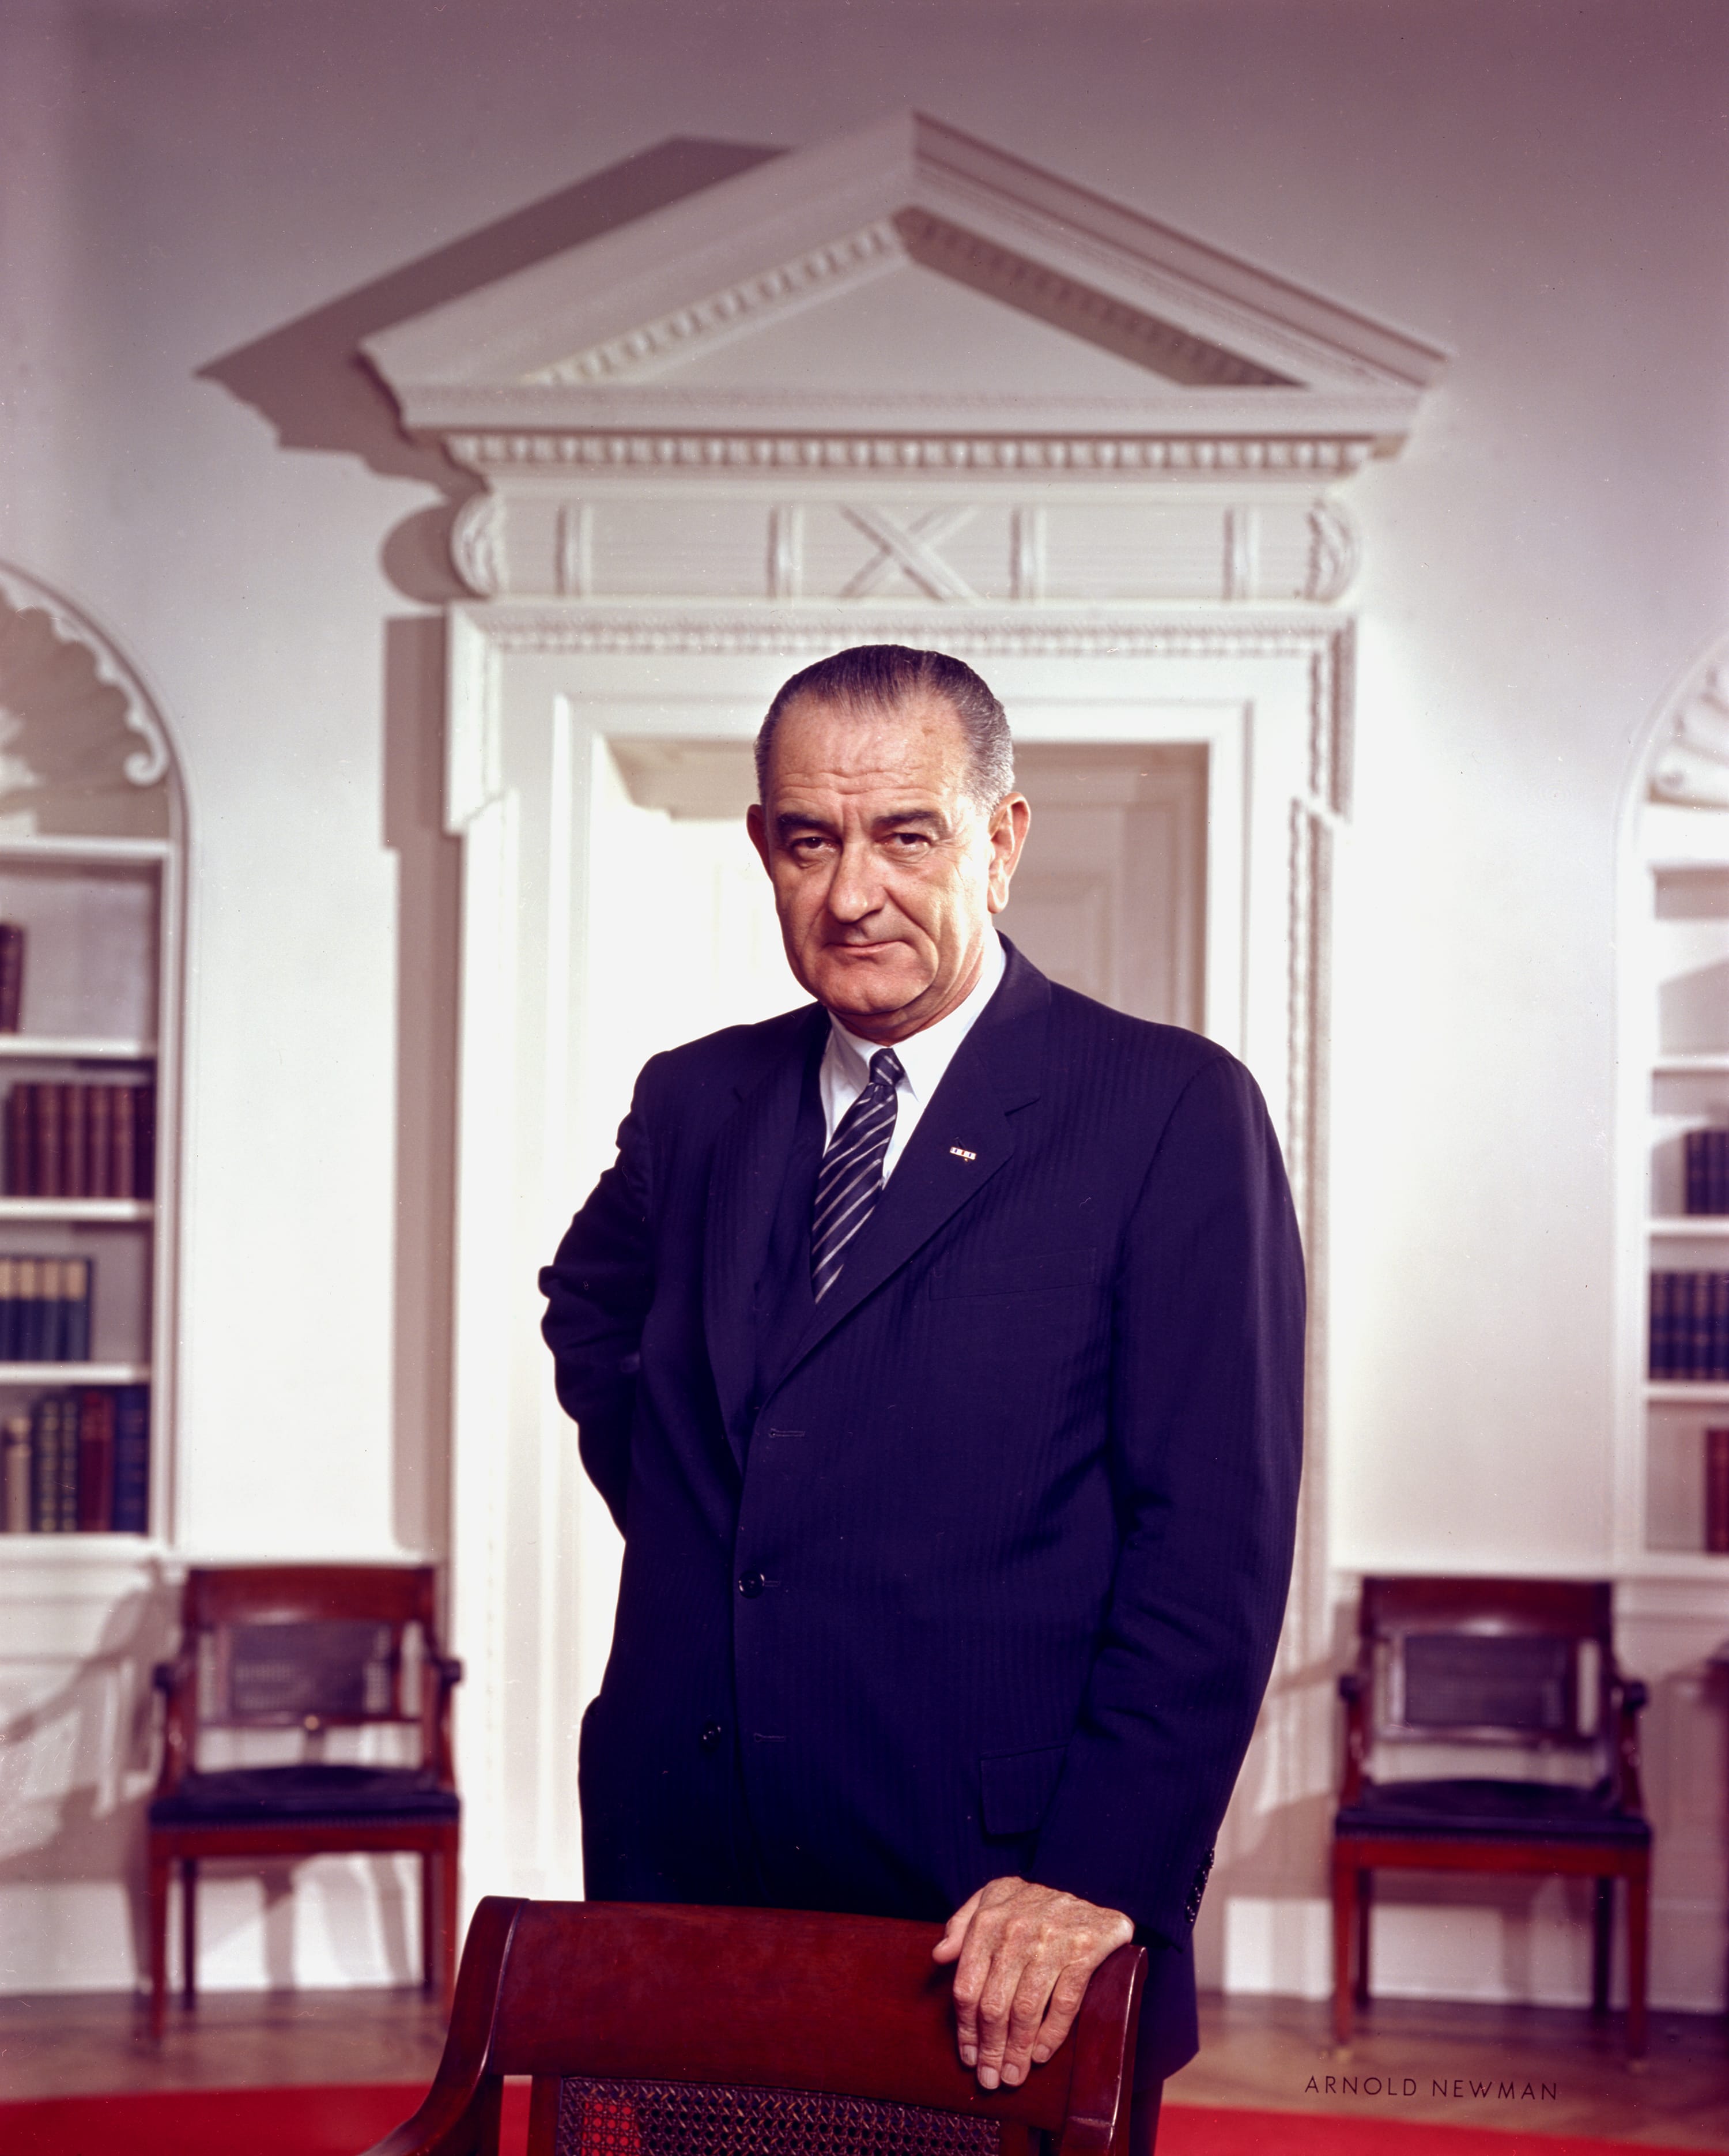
881, 676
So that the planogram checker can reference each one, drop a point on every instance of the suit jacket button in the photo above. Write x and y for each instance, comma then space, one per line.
711, 1737
750, 1584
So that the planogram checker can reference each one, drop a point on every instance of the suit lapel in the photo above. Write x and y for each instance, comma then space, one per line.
964, 1136
750, 1161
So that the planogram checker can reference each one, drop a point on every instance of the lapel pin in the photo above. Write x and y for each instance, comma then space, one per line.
961, 1152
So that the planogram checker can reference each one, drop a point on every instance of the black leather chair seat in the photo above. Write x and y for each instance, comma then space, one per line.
311, 1792
1502, 1809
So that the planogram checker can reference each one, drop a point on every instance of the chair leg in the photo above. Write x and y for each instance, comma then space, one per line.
156, 1917
1638, 1918
1345, 1876
1365, 1898
189, 1929
1602, 1932
429, 1917
448, 1882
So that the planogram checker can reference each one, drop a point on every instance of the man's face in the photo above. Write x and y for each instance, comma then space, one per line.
885, 870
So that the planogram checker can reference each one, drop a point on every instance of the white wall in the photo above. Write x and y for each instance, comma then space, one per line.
1542, 189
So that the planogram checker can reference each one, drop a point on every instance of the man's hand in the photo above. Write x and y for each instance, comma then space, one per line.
1024, 1954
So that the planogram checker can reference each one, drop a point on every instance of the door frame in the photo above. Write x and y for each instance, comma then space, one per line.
535, 688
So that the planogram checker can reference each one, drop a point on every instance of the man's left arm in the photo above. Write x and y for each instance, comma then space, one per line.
1207, 1433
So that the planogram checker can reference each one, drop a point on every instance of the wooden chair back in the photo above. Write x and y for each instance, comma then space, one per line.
671, 2031
309, 1647
1514, 1662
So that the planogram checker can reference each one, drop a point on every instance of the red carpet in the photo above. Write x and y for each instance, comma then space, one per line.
269, 2121
1188, 2130
341, 2122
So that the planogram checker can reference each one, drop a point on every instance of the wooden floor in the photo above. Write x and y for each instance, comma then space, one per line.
1422, 2059
1261, 2053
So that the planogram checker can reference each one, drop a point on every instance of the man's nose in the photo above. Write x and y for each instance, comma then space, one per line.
855, 889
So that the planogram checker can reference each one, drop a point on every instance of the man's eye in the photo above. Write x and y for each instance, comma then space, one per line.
909, 842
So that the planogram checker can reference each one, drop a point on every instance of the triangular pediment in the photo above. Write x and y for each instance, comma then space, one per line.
912, 279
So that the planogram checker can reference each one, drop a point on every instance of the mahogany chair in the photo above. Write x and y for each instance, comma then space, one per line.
1524, 1664
675, 2031
306, 1648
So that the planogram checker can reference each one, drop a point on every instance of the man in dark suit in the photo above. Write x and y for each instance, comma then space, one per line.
937, 1348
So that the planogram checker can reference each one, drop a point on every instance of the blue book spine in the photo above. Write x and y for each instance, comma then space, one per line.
77, 1281
131, 1460
1657, 1343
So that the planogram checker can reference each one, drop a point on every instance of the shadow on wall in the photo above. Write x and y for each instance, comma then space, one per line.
308, 380
82, 1817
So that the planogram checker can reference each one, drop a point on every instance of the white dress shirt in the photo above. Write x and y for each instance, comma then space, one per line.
924, 1058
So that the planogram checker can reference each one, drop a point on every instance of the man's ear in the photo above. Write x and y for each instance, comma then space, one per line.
758, 830
1010, 820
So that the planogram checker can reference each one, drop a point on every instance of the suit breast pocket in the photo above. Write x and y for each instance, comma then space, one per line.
1016, 1788
1014, 1273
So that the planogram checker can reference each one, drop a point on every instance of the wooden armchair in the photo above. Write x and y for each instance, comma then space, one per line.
307, 1648
1520, 1663
675, 2031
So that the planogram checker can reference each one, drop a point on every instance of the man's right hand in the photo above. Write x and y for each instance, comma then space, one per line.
1024, 1955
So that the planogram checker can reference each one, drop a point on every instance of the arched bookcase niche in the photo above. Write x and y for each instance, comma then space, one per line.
1675, 1065
92, 860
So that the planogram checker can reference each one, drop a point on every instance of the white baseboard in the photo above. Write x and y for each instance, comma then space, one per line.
347, 1922
1526, 1943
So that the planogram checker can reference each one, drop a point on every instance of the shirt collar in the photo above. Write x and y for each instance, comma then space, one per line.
926, 1054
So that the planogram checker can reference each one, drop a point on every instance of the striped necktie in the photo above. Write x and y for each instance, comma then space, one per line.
851, 1178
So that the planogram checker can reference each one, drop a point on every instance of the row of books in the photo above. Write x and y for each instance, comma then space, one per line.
45, 1309
1705, 1157
1689, 1325
81, 1140
78, 1463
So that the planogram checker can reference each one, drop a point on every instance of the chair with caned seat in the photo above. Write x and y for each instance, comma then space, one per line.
1527, 1667
304, 1649
668, 2031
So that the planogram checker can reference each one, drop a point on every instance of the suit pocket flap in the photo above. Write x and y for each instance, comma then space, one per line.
1015, 1788
1019, 1272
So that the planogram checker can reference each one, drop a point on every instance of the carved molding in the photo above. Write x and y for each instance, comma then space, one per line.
749, 304
936, 243
523, 627
1690, 764
697, 452
485, 635
911, 547
1305, 1640
1085, 312
583, 341
979, 548
149, 764
476, 545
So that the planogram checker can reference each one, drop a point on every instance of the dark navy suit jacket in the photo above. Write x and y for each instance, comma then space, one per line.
979, 1568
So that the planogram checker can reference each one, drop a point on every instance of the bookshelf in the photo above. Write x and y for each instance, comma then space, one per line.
92, 864
1677, 1015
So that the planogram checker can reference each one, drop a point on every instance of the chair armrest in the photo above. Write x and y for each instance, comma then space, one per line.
452, 2122
1631, 1695
444, 1675
176, 1681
